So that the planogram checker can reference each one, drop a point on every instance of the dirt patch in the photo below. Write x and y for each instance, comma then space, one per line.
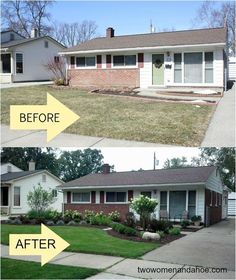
164, 240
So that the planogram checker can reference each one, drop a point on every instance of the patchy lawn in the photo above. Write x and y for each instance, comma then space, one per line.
15, 269
86, 240
120, 117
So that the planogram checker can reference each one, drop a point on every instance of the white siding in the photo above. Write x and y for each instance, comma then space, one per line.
26, 185
146, 71
214, 183
5, 168
218, 68
5, 36
232, 204
232, 68
200, 203
35, 56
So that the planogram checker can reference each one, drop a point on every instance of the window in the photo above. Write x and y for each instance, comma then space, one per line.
178, 68
16, 196
209, 67
148, 194
85, 61
56, 59
19, 63
81, 197
191, 203
124, 60
12, 37
220, 198
6, 63
44, 178
193, 67
54, 193
46, 44
9, 168
115, 196
163, 201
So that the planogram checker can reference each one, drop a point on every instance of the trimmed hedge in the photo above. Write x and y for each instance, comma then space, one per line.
124, 230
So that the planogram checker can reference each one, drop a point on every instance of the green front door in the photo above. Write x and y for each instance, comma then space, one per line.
158, 69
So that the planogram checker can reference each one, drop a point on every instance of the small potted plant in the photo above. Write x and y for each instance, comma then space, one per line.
196, 220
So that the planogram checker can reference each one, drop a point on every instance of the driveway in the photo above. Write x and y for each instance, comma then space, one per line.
221, 130
210, 247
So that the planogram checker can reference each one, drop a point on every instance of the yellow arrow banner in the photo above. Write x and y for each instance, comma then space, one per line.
54, 117
47, 244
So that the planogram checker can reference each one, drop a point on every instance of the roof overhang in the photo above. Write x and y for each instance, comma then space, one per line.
146, 186
164, 48
4, 49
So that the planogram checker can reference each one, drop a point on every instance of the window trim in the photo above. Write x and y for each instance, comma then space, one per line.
115, 202
85, 67
80, 202
216, 198
13, 200
211, 201
124, 66
203, 69
22, 63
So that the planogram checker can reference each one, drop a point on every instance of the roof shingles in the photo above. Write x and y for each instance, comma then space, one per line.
174, 38
146, 177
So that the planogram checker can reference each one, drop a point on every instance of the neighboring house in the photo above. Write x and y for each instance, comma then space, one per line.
197, 190
179, 59
232, 69
15, 186
232, 204
23, 59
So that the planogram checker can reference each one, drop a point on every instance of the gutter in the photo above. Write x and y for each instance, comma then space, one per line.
129, 186
141, 48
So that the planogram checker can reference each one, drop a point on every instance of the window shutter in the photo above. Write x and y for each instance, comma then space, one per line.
93, 197
130, 195
68, 197
101, 197
72, 62
140, 60
108, 60
99, 61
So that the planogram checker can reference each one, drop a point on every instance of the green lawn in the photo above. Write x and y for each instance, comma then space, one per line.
15, 269
86, 240
120, 117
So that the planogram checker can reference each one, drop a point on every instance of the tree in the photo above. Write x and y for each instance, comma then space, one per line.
75, 164
23, 16
209, 15
39, 199
176, 162
45, 158
144, 206
71, 34
224, 160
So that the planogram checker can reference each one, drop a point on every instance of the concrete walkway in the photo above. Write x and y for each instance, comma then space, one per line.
25, 84
221, 131
36, 138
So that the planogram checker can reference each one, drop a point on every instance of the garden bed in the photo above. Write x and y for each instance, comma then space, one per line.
164, 240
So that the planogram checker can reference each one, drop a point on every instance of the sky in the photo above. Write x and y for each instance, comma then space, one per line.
126, 159
129, 17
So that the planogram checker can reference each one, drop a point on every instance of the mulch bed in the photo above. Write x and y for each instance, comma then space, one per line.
167, 239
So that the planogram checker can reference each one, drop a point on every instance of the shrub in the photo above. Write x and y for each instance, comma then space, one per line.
174, 231
196, 218
144, 206
161, 233
45, 215
160, 225
24, 219
115, 216
185, 223
101, 220
40, 199
72, 215
130, 219
124, 229
88, 215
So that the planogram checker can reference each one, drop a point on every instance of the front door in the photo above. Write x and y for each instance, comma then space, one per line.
158, 69
177, 204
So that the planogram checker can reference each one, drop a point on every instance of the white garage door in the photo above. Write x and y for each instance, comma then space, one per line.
231, 207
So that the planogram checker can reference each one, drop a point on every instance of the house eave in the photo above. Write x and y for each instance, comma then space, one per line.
130, 186
141, 49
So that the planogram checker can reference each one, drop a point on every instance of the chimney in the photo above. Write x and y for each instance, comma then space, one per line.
110, 32
34, 33
31, 165
106, 168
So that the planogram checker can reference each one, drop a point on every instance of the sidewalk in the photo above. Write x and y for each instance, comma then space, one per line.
25, 84
221, 131
36, 138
